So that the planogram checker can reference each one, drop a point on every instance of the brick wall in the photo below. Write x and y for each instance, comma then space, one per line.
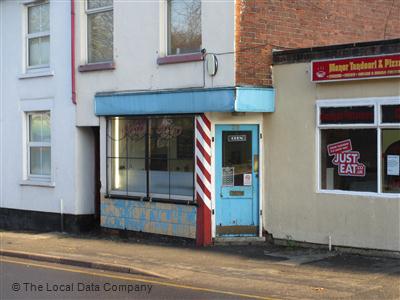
263, 25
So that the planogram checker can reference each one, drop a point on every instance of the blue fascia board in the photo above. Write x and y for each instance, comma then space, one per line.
232, 99
171, 102
249, 99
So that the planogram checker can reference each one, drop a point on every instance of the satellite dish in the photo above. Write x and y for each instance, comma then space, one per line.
212, 64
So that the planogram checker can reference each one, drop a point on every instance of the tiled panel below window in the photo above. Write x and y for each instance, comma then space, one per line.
152, 217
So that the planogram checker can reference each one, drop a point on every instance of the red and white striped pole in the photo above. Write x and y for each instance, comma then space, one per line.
203, 179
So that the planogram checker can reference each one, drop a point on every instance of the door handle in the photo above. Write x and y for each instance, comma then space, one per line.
256, 166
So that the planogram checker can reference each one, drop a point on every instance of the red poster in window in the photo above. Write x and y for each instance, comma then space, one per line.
339, 147
345, 159
356, 68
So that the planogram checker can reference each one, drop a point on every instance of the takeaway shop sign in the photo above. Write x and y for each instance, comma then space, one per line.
369, 67
345, 159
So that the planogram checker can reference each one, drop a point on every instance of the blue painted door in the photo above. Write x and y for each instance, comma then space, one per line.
236, 180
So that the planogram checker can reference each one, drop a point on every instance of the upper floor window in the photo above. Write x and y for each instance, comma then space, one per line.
99, 30
184, 26
38, 35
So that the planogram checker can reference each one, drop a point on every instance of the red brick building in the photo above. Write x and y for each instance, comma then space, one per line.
264, 25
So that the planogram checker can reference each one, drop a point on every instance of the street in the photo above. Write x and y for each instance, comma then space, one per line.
25, 279
87, 265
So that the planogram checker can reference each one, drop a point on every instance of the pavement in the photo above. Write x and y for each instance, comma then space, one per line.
261, 269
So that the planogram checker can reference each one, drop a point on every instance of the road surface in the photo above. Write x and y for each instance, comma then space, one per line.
26, 279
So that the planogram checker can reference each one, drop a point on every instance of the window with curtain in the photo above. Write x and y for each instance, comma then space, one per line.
38, 35
39, 145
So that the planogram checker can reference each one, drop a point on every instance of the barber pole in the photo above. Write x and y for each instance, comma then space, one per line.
203, 179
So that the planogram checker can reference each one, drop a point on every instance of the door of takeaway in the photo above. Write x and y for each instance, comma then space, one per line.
236, 182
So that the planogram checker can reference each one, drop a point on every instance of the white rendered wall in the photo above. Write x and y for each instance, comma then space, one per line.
19, 95
138, 40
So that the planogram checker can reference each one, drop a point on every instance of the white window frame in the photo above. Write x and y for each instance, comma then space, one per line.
163, 24
377, 103
29, 36
29, 144
92, 12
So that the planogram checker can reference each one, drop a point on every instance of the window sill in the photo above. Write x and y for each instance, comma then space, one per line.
35, 74
180, 58
145, 199
362, 194
47, 184
97, 67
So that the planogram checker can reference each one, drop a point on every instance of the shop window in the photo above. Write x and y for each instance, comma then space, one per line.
38, 35
184, 26
152, 157
350, 170
99, 30
352, 158
39, 146
390, 160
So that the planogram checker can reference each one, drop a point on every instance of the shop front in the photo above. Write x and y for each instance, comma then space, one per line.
183, 163
336, 153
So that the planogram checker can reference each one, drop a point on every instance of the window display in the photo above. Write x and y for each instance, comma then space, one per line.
351, 155
152, 157
351, 167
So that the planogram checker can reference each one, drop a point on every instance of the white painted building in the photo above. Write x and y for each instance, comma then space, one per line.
140, 38
145, 69
42, 154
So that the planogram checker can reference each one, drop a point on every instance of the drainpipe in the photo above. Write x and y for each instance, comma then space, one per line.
73, 52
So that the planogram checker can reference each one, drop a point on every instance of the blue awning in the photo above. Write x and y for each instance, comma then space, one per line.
234, 99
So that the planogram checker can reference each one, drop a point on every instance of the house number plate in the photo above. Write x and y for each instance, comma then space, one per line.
237, 138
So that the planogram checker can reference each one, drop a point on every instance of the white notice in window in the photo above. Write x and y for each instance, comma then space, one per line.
393, 165
247, 179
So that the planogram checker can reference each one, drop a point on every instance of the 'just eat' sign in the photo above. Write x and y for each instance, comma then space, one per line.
345, 159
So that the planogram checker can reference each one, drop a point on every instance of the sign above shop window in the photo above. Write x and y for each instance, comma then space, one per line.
347, 115
356, 68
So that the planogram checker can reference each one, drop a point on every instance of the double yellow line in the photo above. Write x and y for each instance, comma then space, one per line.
130, 278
